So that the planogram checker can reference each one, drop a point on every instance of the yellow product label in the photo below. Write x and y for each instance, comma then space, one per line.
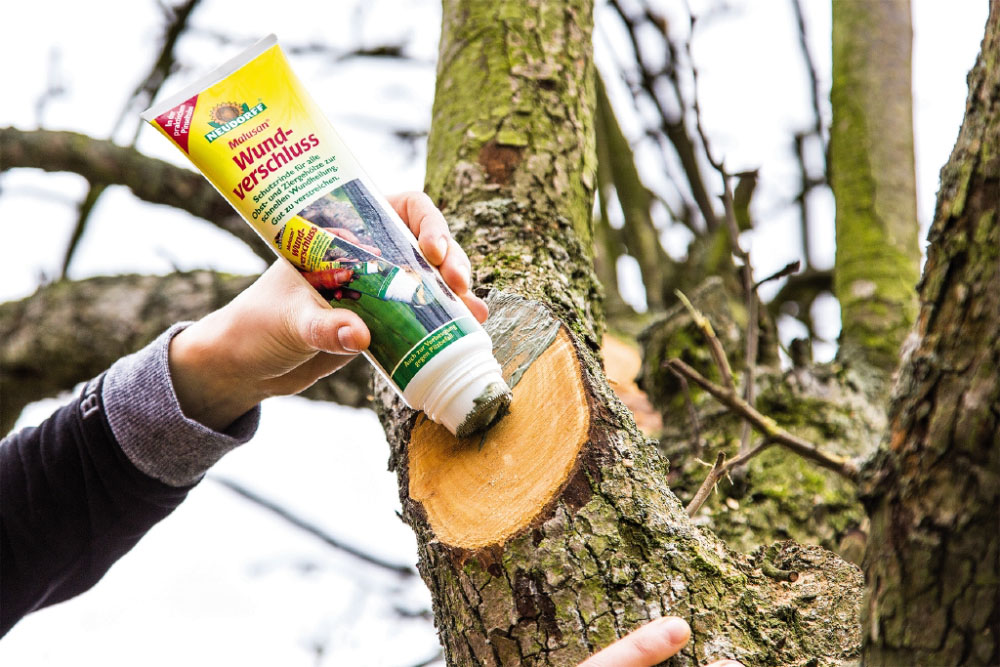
260, 140
255, 133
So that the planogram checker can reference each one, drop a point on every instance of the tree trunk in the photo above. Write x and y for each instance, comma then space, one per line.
556, 533
872, 175
933, 492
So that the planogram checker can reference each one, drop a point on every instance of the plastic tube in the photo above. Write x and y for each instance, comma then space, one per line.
257, 136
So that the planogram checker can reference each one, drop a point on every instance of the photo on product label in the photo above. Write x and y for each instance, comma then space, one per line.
358, 257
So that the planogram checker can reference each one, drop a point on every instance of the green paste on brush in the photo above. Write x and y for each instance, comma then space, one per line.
490, 407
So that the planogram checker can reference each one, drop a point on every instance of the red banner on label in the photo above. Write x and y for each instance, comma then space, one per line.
177, 122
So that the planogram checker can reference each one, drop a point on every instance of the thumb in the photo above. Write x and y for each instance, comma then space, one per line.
649, 645
334, 330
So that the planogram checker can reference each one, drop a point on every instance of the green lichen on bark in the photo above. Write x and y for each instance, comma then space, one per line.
617, 552
614, 550
781, 495
531, 136
872, 175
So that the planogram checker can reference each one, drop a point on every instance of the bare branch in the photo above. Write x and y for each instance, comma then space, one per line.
787, 270
149, 179
177, 22
672, 125
86, 207
394, 50
767, 426
69, 332
311, 528
714, 344
752, 299
814, 87
719, 470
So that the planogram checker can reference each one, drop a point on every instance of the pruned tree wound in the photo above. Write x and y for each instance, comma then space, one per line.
479, 491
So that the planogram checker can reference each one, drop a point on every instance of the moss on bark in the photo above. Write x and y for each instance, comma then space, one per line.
872, 175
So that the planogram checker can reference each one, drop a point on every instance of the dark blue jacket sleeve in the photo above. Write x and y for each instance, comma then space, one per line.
71, 504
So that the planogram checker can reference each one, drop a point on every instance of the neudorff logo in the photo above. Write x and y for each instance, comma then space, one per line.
228, 116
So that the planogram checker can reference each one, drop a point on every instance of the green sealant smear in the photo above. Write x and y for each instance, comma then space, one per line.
521, 330
490, 407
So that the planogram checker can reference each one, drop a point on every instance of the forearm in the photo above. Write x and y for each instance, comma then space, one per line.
80, 490
154, 429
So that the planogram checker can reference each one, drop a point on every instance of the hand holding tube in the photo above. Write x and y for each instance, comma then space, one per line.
279, 337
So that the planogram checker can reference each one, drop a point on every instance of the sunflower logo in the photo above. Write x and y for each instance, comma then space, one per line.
226, 112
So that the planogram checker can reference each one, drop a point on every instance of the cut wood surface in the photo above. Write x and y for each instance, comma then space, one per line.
479, 491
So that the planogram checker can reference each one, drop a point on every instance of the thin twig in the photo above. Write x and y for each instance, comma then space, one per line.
814, 87
714, 345
749, 289
789, 269
844, 467
671, 126
753, 302
719, 470
809, 182
707, 486
143, 94
311, 528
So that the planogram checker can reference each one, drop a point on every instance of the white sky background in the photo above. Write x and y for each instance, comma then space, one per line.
221, 581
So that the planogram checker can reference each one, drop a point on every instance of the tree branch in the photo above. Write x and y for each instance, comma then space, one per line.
719, 470
149, 179
68, 332
311, 528
766, 426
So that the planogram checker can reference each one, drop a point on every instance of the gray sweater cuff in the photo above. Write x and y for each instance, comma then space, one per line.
150, 427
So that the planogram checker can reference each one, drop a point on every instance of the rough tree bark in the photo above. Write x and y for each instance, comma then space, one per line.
556, 532
601, 545
933, 492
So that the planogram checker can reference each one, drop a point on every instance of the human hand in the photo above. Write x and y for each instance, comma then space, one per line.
279, 336
649, 645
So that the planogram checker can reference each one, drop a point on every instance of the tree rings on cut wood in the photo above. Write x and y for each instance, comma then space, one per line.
480, 491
